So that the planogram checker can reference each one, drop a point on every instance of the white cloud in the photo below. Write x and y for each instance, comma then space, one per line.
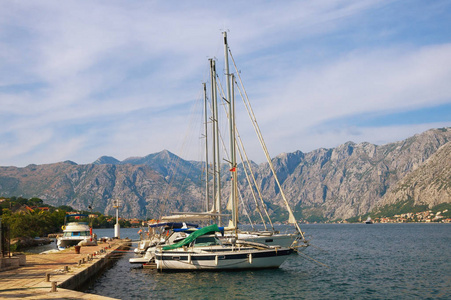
378, 81
114, 78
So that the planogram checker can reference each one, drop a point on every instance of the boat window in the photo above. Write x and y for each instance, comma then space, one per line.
205, 241
76, 233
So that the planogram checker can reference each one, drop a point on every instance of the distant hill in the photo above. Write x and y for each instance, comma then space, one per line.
346, 181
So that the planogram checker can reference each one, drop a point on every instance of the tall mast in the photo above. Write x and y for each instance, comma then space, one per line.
233, 150
207, 190
213, 131
217, 160
231, 104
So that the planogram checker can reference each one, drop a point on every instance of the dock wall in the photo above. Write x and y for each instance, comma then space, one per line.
99, 264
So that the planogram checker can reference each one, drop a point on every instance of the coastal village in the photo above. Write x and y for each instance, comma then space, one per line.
427, 216
420, 217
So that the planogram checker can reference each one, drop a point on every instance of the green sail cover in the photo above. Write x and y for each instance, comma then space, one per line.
193, 236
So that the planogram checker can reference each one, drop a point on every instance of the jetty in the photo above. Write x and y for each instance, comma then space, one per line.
57, 275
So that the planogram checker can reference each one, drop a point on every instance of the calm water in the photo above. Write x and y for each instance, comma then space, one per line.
379, 261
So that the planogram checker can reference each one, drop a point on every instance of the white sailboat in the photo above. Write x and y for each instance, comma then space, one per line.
268, 236
204, 249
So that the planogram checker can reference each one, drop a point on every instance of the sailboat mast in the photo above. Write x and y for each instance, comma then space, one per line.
234, 161
216, 156
213, 131
207, 190
231, 104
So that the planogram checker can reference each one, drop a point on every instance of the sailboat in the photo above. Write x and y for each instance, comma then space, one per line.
369, 221
271, 236
205, 249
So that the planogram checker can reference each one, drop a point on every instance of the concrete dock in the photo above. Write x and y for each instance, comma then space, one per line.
56, 275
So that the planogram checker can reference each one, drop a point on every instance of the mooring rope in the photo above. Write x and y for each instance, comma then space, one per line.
318, 262
318, 248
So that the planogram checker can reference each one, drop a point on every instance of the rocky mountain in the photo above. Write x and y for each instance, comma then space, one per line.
429, 184
350, 179
342, 182
139, 188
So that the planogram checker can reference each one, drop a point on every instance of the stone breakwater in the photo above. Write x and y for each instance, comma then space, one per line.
58, 274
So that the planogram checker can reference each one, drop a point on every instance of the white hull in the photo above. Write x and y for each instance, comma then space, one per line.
225, 260
147, 257
65, 242
282, 240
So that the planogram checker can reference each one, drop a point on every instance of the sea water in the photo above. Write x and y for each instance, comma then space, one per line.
344, 261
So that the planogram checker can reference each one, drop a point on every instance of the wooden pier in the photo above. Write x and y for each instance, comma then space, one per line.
57, 275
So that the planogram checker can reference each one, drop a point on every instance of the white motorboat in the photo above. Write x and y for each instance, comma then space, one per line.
75, 232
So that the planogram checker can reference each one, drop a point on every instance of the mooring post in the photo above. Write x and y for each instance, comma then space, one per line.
47, 277
54, 286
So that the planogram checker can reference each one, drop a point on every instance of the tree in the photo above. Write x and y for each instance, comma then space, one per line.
35, 202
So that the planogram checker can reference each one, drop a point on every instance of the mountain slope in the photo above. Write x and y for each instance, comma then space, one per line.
140, 189
429, 184
348, 180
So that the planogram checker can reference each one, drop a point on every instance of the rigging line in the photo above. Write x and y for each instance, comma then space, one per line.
245, 209
265, 149
244, 167
253, 177
220, 135
254, 181
251, 187
318, 262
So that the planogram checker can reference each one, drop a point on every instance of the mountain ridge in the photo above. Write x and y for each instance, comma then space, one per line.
337, 183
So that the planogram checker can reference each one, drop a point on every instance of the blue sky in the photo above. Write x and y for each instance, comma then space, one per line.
82, 79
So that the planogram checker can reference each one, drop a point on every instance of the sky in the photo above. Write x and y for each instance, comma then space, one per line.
84, 79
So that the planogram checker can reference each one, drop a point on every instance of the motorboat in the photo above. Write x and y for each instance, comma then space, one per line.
75, 233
